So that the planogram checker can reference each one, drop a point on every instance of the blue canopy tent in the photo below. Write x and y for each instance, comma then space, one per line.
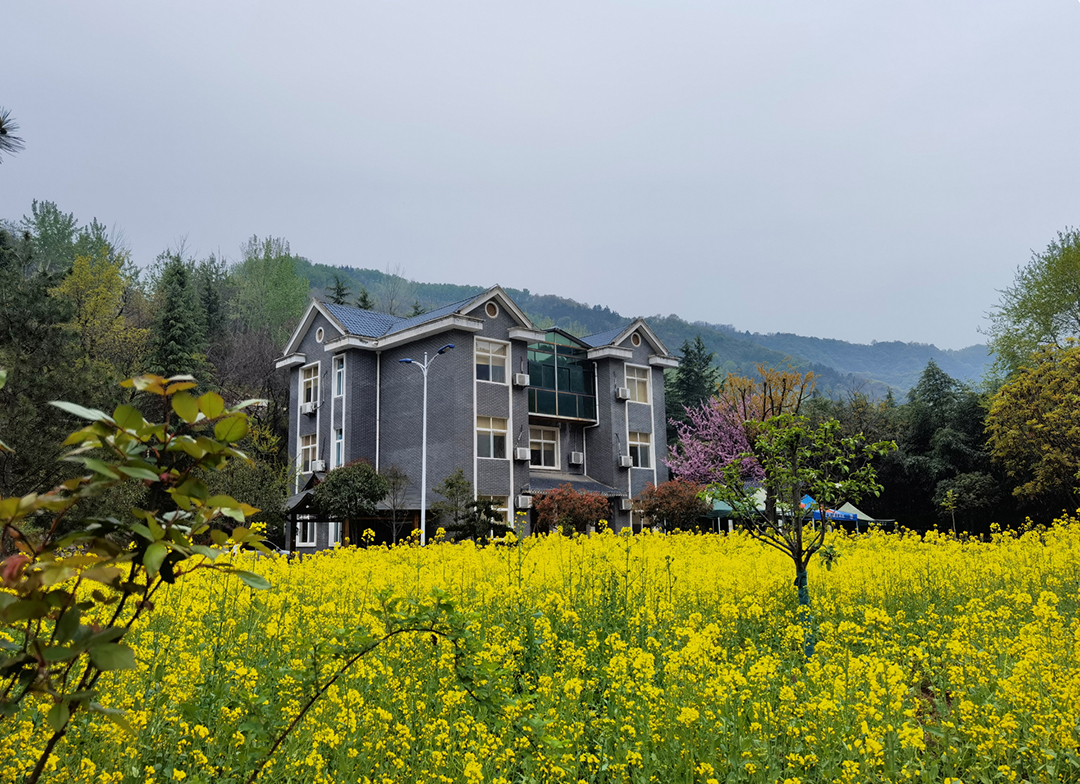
835, 515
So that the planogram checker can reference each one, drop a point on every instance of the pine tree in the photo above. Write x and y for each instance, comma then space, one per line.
339, 293
178, 339
692, 383
363, 300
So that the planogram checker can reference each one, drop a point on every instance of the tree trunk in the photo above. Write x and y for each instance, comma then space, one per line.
806, 617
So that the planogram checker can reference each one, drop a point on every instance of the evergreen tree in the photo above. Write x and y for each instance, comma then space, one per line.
692, 383
178, 339
479, 522
417, 309
52, 234
364, 300
43, 362
339, 293
9, 142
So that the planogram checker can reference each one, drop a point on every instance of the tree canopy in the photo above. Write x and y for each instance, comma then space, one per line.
1042, 306
1034, 425
568, 510
349, 493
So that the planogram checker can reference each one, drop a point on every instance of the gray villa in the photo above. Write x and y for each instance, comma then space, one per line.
518, 409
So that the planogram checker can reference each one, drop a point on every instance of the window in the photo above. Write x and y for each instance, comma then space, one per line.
319, 335
639, 449
339, 375
339, 448
335, 534
309, 446
635, 339
491, 361
544, 445
491, 309
562, 382
637, 379
309, 390
305, 530
498, 504
490, 437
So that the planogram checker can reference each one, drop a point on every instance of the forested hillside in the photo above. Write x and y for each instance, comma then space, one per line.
841, 367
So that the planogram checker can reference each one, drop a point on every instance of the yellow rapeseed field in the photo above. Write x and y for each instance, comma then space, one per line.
609, 659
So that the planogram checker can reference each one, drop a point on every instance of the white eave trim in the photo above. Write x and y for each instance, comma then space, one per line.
453, 321
531, 335
292, 360
663, 362
616, 352
444, 324
350, 341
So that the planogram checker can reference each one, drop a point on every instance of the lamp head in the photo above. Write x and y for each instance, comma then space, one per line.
445, 348
407, 361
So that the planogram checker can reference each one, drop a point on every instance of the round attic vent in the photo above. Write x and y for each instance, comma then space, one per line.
635, 339
492, 309
319, 335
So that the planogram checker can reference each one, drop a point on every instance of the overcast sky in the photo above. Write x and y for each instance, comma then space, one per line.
846, 168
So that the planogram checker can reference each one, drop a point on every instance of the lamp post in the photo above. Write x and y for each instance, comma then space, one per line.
423, 439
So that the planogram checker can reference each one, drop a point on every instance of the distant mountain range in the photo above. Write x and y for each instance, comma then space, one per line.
841, 367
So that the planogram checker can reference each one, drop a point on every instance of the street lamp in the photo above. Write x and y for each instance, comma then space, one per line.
423, 439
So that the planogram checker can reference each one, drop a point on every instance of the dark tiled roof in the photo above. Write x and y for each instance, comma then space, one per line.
445, 310
363, 322
370, 324
542, 481
603, 338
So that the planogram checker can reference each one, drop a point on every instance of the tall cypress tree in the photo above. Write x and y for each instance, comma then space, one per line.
178, 338
692, 383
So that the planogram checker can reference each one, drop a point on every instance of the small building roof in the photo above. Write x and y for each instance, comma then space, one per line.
545, 481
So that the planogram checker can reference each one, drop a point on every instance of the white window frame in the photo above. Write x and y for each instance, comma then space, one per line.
308, 451
485, 349
499, 503
305, 525
638, 384
489, 429
309, 384
338, 452
339, 375
334, 536
553, 432
640, 446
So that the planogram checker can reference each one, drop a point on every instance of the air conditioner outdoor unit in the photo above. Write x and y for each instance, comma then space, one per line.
577, 458
521, 379
622, 393
625, 461
524, 502
317, 465
522, 453
626, 504
307, 408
